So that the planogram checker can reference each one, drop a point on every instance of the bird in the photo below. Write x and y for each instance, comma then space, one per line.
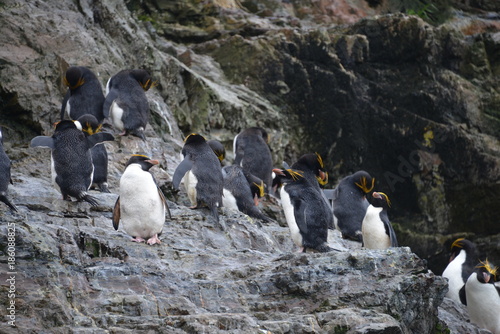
350, 204
305, 211
218, 149
141, 205
71, 159
257, 186
314, 168
237, 193
201, 172
5, 177
90, 126
84, 94
462, 262
482, 297
253, 154
376, 228
126, 103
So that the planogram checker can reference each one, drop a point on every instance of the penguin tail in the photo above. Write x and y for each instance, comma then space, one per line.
4, 199
89, 199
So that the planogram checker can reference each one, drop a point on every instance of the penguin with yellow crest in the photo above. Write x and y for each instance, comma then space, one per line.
376, 228
350, 204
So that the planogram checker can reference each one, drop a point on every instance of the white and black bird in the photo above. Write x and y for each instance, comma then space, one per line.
5, 176
126, 103
463, 260
306, 211
350, 204
141, 205
84, 94
71, 158
201, 172
376, 228
482, 297
252, 152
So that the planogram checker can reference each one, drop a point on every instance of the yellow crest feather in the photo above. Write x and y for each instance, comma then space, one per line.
364, 185
457, 243
492, 270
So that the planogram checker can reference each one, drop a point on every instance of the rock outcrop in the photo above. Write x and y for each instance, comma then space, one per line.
416, 105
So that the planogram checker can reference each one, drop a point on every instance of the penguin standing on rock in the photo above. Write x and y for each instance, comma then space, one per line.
201, 173
71, 159
126, 103
482, 297
462, 263
350, 204
376, 228
91, 126
84, 94
141, 205
253, 154
305, 211
5, 177
237, 193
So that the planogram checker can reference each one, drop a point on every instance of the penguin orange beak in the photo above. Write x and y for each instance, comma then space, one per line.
153, 162
486, 277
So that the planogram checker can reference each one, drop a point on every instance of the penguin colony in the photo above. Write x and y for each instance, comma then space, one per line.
79, 162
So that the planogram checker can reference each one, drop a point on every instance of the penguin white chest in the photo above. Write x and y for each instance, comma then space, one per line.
453, 273
373, 230
142, 210
228, 200
116, 114
483, 304
288, 209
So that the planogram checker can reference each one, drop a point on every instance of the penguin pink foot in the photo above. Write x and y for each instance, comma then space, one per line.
154, 240
138, 239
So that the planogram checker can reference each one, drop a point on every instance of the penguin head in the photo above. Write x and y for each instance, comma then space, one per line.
218, 149
90, 125
194, 138
143, 78
65, 125
74, 77
314, 163
380, 200
257, 185
462, 244
486, 273
363, 181
288, 175
144, 161
139, 132
257, 131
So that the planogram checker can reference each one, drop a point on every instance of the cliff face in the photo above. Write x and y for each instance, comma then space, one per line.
415, 105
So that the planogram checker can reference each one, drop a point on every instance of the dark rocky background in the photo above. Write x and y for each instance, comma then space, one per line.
413, 99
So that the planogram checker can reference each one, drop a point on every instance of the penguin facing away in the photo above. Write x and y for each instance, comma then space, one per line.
141, 205
462, 263
126, 103
350, 204
237, 193
90, 126
253, 154
482, 297
305, 211
84, 94
376, 228
71, 159
5, 177
201, 172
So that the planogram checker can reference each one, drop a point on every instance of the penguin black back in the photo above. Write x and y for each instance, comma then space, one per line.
253, 154
5, 176
350, 203
305, 210
84, 94
90, 126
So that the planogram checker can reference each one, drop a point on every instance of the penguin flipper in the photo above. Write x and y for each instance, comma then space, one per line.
99, 138
390, 232
164, 201
116, 214
42, 141
64, 102
463, 297
112, 95
4, 199
180, 171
